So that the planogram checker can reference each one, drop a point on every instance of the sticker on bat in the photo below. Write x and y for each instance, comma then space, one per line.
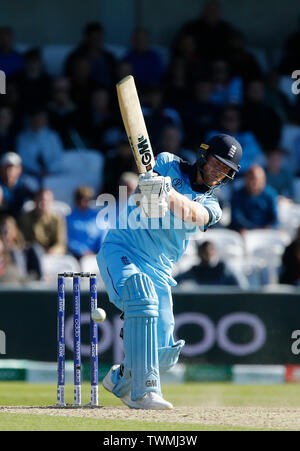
144, 151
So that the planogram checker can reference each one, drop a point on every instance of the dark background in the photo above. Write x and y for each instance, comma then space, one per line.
29, 320
265, 24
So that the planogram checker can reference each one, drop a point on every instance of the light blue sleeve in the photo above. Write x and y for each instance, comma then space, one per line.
212, 205
163, 162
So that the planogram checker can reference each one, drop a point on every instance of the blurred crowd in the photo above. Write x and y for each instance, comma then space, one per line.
210, 82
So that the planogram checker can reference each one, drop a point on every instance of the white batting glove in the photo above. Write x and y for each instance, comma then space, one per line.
154, 191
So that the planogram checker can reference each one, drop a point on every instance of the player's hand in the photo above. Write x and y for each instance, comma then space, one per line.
154, 184
154, 191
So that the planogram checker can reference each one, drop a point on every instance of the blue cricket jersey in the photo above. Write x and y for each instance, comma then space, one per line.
157, 243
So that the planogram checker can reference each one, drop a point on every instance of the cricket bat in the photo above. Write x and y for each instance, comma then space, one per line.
134, 124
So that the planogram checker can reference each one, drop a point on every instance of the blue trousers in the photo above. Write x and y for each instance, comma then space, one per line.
117, 264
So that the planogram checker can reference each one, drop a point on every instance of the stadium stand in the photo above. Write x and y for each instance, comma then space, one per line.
79, 167
256, 254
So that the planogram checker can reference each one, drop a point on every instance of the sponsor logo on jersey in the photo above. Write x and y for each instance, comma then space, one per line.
177, 183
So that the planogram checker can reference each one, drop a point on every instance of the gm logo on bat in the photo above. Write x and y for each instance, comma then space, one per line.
144, 151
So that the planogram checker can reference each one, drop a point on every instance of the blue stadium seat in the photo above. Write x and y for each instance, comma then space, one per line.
54, 264
285, 86
261, 58
229, 243
54, 57
80, 167
290, 138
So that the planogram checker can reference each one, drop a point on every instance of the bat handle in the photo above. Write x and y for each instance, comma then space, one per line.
148, 174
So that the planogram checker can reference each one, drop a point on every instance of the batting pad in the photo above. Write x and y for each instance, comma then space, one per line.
140, 335
168, 356
122, 384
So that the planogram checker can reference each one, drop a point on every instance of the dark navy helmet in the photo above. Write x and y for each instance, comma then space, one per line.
224, 148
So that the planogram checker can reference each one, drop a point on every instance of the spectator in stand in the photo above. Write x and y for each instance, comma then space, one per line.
279, 175
64, 116
12, 100
101, 62
296, 158
148, 68
210, 32
185, 49
84, 235
24, 257
295, 118
227, 89
109, 213
211, 270
7, 130
230, 123
171, 141
176, 91
9, 272
291, 57
40, 148
11, 62
82, 84
118, 160
13, 188
104, 125
200, 114
158, 115
290, 270
260, 118
123, 69
254, 206
243, 64
41, 226
277, 100
33, 83
129, 182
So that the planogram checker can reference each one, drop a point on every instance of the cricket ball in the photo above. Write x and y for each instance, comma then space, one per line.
98, 315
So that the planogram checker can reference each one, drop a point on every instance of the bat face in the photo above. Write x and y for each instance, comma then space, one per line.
134, 123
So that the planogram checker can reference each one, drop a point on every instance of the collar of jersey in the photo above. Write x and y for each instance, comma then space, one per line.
191, 171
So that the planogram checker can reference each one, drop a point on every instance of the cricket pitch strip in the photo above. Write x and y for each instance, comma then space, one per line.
251, 417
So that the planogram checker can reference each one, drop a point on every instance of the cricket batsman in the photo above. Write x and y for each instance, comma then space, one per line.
136, 262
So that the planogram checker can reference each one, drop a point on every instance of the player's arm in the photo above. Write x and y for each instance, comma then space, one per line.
188, 210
